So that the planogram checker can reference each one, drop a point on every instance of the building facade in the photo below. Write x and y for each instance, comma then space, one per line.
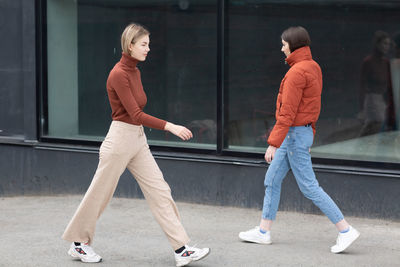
215, 66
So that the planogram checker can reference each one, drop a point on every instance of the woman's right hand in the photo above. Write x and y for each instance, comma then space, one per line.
269, 154
178, 130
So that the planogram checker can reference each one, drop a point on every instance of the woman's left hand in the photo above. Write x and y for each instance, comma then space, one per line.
178, 130
269, 154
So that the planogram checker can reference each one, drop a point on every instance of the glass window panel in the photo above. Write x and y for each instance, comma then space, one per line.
179, 76
360, 101
12, 70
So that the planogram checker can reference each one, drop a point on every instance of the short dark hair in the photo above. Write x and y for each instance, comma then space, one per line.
296, 37
379, 36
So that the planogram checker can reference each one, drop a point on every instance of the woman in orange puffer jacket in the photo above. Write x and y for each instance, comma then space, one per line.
297, 110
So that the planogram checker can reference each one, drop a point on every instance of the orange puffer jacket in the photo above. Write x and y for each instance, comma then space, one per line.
299, 98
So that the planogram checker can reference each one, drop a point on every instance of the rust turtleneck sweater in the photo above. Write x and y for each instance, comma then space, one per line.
126, 95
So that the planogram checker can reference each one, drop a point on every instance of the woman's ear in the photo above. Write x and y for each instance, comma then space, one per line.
130, 48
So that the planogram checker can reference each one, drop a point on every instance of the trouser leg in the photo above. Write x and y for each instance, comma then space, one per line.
301, 165
273, 182
112, 163
158, 195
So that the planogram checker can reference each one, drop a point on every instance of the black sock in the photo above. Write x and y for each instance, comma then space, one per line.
179, 250
77, 243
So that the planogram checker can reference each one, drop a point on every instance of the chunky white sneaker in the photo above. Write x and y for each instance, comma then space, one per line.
83, 252
190, 254
255, 236
344, 240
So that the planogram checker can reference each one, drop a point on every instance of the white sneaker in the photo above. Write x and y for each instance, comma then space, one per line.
345, 240
254, 235
83, 252
190, 254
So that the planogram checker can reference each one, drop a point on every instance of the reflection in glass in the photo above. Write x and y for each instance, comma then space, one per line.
376, 92
342, 34
179, 76
395, 75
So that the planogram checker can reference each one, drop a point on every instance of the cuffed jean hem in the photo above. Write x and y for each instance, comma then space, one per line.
269, 218
336, 221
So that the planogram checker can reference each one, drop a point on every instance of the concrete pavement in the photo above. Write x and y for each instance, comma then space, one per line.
127, 235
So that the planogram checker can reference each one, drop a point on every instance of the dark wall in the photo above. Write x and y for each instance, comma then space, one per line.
41, 170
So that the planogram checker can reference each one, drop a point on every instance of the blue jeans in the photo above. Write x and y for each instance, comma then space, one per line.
294, 154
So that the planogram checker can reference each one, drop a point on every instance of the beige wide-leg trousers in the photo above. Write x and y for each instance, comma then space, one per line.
125, 146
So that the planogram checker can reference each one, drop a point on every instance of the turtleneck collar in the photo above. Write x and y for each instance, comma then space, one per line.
300, 54
129, 61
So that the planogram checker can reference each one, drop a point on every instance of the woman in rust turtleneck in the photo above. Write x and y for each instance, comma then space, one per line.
125, 146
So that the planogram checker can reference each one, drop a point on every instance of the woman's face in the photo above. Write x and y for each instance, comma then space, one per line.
384, 46
285, 48
140, 49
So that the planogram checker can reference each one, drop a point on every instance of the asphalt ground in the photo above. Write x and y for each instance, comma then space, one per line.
128, 235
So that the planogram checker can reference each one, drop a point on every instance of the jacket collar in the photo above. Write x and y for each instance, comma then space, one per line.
300, 54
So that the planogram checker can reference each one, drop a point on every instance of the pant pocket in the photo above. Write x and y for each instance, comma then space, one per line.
304, 139
114, 143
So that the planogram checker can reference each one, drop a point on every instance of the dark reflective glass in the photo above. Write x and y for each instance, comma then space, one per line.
355, 44
179, 75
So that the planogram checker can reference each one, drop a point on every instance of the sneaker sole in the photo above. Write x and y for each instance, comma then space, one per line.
336, 252
85, 261
255, 241
184, 263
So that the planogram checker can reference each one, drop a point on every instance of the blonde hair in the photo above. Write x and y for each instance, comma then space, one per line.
131, 34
